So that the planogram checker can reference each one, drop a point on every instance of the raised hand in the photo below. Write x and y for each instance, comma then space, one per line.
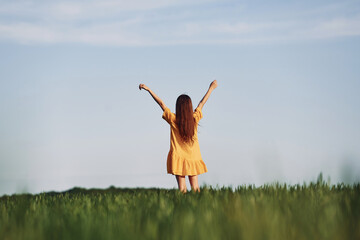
143, 86
213, 84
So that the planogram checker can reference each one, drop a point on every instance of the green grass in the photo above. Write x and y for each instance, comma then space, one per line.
313, 211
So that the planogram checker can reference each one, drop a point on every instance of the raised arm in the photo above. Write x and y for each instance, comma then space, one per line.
155, 97
212, 86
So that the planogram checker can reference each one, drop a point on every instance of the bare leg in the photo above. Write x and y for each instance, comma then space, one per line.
181, 183
194, 183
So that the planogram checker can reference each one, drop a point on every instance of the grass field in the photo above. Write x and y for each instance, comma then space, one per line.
312, 211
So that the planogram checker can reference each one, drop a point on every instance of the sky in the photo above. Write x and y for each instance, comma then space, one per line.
71, 114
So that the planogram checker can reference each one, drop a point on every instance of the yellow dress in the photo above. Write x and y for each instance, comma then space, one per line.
183, 158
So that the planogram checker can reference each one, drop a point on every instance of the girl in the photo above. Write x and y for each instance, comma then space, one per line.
184, 158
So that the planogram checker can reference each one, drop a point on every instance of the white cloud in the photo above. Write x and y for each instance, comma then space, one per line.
110, 34
141, 23
337, 27
25, 33
86, 9
237, 28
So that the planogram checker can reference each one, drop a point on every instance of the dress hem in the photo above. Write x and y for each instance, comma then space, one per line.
180, 174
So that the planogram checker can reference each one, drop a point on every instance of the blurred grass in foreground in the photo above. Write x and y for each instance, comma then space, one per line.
277, 211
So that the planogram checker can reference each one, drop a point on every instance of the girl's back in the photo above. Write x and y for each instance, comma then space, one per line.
184, 157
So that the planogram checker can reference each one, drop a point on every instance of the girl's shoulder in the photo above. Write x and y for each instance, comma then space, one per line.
168, 115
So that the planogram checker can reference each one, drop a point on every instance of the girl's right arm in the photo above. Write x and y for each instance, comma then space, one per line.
155, 97
212, 86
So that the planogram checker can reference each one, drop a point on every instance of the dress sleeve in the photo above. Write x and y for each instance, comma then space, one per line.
167, 115
198, 114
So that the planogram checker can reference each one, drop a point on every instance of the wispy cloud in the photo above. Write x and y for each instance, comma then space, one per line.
69, 10
336, 27
144, 23
104, 34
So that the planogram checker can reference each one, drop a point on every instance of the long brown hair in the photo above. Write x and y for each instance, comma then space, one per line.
184, 118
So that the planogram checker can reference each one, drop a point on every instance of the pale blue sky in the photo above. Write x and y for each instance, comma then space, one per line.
287, 105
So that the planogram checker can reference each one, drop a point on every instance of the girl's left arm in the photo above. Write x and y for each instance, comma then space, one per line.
155, 97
